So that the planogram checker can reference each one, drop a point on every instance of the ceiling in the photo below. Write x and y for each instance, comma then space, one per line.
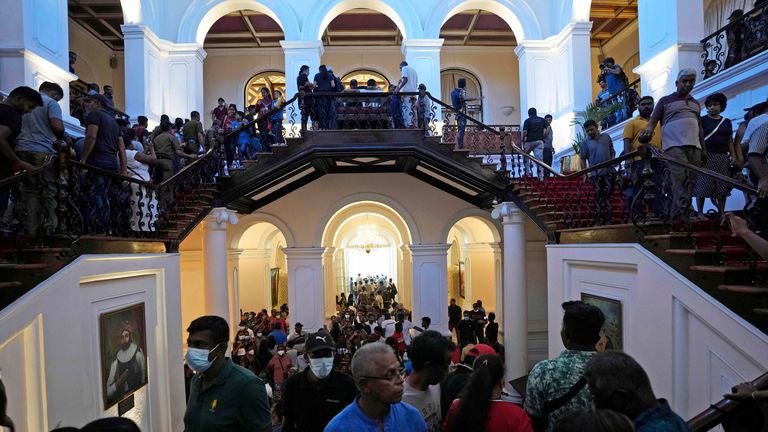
609, 17
356, 27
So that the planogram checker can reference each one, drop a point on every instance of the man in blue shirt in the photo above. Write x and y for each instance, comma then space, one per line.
619, 383
378, 375
280, 337
596, 149
459, 101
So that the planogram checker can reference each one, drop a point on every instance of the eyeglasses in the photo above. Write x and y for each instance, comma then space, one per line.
391, 376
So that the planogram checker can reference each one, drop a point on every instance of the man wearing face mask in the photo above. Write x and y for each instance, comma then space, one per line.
223, 396
313, 397
465, 331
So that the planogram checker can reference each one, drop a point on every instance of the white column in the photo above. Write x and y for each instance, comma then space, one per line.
218, 299
299, 53
515, 296
404, 279
670, 35
305, 286
554, 77
329, 281
424, 56
34, 48
161, 77
430, 284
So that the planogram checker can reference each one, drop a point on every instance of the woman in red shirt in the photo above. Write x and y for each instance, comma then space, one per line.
480, 402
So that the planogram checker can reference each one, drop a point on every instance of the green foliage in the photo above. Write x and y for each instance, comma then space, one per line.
591, 112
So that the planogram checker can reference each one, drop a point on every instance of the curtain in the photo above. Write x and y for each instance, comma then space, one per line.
716, 12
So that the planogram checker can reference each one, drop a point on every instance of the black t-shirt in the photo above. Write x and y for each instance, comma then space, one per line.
301, 81
323, 81
535, 126
492, 332
454, 314
104, 153
10, 117
718, 141
466, 330
311, 408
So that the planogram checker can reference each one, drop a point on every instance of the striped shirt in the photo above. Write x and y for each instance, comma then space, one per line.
680, 121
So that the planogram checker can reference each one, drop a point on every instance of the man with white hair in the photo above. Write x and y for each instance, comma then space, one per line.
682, 140
379, 376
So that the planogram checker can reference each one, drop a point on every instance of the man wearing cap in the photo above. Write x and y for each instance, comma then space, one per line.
682, 140
313, 397
759, 114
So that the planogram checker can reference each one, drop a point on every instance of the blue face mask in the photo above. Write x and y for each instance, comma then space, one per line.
197, 359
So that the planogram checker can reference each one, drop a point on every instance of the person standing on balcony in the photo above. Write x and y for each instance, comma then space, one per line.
192, 134
304, 86
459, 101
549, 149
535, 129
323, 82
277, 117
718, 138
735, 35
109, 94
40, 130
409, 82
596, 149
615, 77
167, 148
632, 142
682, 140
423, 107
220, 112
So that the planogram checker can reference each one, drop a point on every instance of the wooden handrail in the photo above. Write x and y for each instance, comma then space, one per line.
713, 416
719, 177
457, 112
19, 176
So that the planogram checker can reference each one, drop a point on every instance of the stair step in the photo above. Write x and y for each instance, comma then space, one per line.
744, 289
729, 268
728, 251
12, 266
12, 284
760, 311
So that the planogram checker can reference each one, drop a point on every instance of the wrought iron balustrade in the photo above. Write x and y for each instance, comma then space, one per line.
78, 91
740, 39
625, 102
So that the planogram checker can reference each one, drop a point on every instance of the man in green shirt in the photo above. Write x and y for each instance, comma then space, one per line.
192, 133
223, 396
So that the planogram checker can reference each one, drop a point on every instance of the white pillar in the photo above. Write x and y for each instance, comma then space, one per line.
670, 35
404, 278
515, 296
424, 56
299, 53
305, 286
554, 77
161, 77
35, 49
430, 284
329, 280
218, 299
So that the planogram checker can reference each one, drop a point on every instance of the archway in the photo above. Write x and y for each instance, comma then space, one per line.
259, 266
474, 261
271, 80
517, 14
363, 75
401, 13
449, 79
368, 238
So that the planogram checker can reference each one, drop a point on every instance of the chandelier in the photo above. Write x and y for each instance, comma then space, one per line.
367, 239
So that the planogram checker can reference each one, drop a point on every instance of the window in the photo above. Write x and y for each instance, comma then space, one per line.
273, 80
449, 79
363, 75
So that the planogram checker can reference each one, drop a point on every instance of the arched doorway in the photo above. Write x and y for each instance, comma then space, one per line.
363, 75
260, 267
449, 79
474, 263
271, 80
370, 239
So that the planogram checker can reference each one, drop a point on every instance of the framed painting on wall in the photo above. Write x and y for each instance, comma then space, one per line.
123, 348
274, 279
462, 288
612, 334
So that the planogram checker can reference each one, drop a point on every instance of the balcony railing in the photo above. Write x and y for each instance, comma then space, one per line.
625, 101
741, 39
78, 90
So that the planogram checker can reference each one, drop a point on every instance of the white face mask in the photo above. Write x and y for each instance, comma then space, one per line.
281, 352
346, 316
197, 359
321, 367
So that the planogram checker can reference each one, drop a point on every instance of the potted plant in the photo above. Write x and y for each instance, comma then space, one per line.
569, 164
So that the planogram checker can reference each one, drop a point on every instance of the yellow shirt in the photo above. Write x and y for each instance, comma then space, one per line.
632, 132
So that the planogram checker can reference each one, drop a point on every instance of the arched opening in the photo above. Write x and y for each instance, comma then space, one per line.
271, 80
449, 79
363, 75
474, 259
362, 240
261, 264
242, 45
493, 84
361, 27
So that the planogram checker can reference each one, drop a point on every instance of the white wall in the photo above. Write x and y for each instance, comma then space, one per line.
693, 348
49, 343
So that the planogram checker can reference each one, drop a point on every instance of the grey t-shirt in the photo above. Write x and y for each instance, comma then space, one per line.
36, 134
427, 402
596, 151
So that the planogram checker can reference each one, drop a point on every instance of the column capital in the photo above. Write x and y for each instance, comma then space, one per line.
218, 218
304, 252
421, 44
429, 249
307, 44
508, 212
482, 247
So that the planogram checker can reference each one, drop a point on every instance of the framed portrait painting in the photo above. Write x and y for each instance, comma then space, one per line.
123, 349
612, 334
462, 286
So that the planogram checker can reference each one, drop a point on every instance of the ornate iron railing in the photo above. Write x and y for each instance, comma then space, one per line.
77, 109
626, 99
742, 38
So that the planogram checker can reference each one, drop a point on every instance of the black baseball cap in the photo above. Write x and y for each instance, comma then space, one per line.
318, 341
